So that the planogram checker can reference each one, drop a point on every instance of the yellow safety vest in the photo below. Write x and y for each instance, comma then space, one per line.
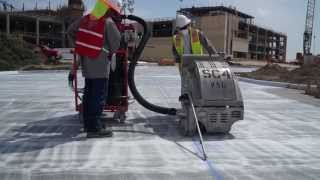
196, 46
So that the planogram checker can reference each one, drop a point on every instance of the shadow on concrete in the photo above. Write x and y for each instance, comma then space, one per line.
42, 134
49, 133
167, 127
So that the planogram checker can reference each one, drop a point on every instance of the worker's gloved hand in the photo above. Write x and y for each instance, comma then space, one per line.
113, 62
183, 97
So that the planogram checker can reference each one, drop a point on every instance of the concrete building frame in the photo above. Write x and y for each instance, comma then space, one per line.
231, 32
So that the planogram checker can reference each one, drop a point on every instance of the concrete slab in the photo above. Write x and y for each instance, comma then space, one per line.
40, 138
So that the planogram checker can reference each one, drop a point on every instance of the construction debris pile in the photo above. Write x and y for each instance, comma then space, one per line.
270, 72
307, 74
15, 53
166, 62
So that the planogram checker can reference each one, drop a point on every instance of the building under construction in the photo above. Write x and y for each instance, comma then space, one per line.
41, 26
231, 31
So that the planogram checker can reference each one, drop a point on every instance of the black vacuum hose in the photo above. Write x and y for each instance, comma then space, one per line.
133, 62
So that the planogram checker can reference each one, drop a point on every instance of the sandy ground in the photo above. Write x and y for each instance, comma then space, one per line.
252, 63
40, 138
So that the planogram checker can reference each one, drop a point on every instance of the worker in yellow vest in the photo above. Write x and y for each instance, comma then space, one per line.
188, 40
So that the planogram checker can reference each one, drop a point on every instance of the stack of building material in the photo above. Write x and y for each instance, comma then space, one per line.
166, 62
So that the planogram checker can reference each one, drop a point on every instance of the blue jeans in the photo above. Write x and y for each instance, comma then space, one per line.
94, 100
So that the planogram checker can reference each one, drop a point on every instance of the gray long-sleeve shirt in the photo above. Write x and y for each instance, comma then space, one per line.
100, 66
207, 45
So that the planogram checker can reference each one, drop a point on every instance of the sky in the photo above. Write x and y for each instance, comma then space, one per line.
286, 16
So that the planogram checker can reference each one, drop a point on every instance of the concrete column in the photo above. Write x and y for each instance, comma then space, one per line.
150, 24
8, 24
257, 43
37, 31
285, 49
250, 42
173, 26
63, 44
225, 33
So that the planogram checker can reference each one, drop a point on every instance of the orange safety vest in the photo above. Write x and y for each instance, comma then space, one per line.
90, 37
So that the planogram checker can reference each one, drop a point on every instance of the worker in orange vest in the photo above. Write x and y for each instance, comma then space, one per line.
188, 40
96, 39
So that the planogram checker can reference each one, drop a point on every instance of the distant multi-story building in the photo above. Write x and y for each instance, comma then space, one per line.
41, 26
231, 31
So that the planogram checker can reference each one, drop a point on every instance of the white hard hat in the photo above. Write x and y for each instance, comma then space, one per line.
115, 5
182, 21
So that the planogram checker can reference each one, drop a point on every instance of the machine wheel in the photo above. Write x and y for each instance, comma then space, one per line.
227, 130
121, 116
80, 116
185, 130
187, 124
81, 121
182, 127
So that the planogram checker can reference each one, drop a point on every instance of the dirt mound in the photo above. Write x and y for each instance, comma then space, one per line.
304, 75
271, 70
307, 74
15, 53
166, 62
274, 72
65, 66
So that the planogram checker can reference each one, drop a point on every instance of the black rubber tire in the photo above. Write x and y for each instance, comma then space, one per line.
122, 117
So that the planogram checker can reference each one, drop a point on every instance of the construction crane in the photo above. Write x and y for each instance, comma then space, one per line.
128, 5
307, 37
6, 5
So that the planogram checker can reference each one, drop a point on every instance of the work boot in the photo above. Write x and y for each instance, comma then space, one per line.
83, 130
102, 133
